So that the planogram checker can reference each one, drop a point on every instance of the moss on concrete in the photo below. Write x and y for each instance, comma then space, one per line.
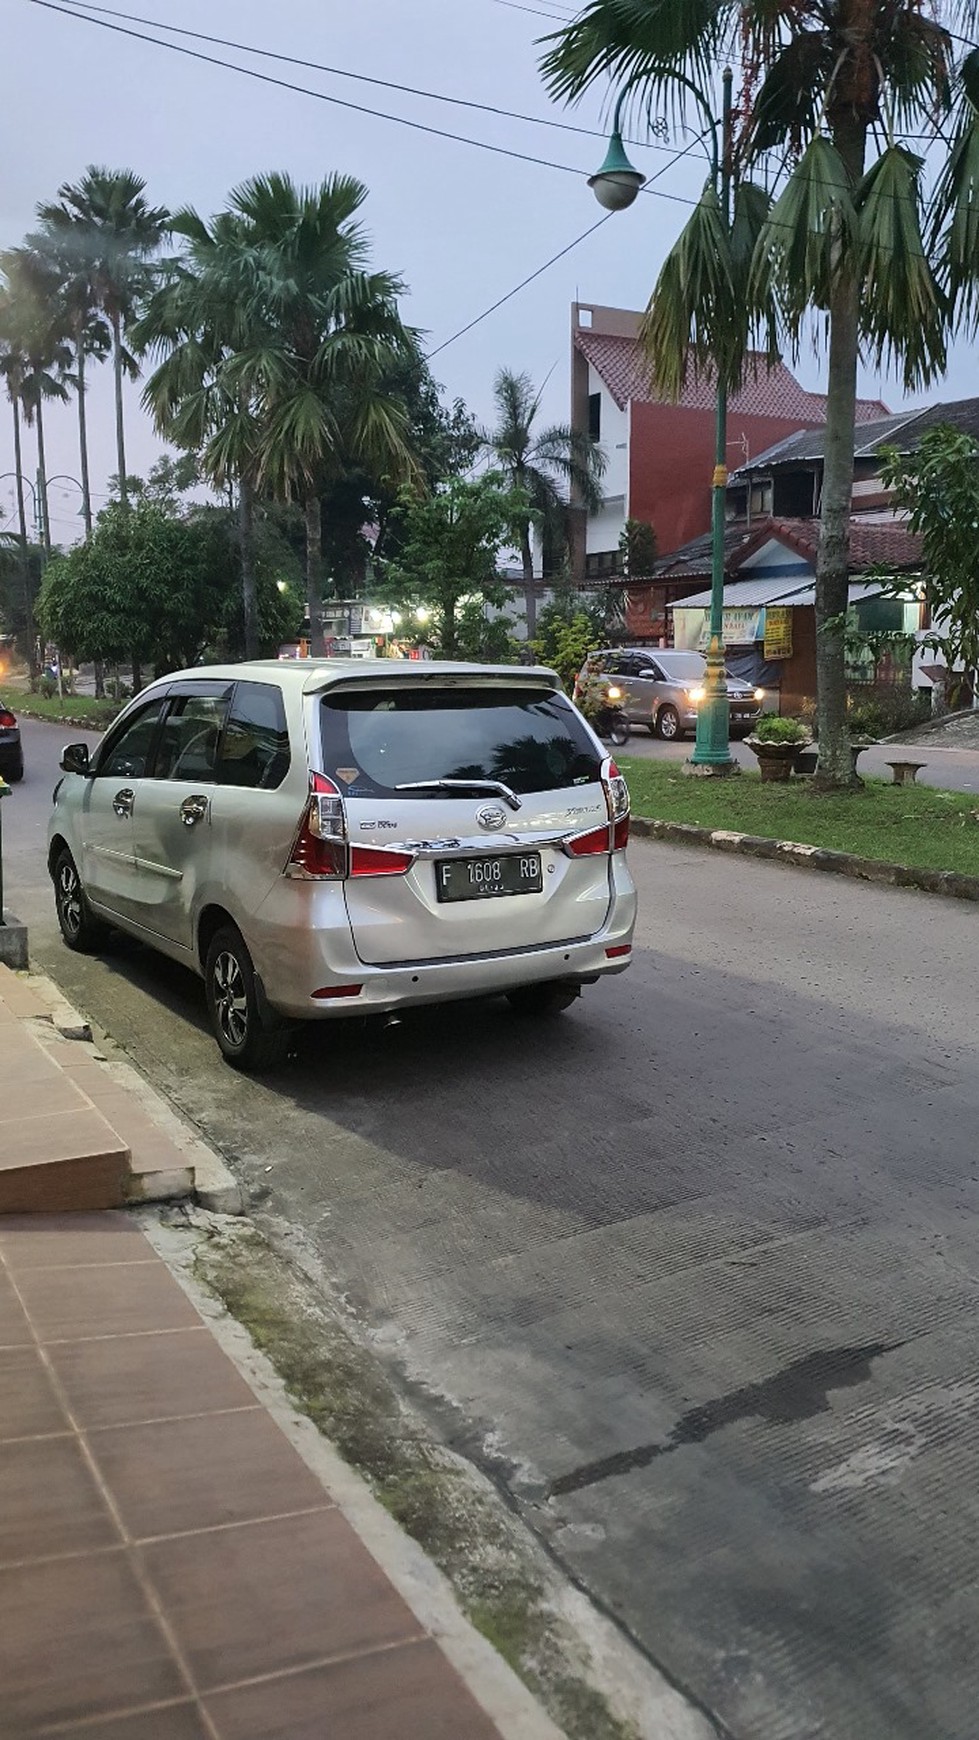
463, 1527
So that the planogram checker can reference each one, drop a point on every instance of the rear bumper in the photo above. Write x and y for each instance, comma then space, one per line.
294, 960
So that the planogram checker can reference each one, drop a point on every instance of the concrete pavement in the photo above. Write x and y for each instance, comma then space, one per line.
169, 1563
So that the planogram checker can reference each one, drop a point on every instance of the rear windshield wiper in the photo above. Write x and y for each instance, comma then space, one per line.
496, 786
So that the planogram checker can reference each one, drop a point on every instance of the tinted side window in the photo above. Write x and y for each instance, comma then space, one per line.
255, 745
125, 754
624, 667
189, 739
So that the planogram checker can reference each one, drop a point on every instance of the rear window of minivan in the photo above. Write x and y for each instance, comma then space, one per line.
375, 740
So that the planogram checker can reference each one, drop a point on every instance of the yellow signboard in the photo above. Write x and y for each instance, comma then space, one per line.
778, 632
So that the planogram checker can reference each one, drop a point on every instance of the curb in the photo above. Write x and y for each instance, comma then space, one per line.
951, 883
210, 1182
68, 720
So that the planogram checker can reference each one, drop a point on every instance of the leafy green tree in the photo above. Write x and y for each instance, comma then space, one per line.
447, 571
638, 549
105, 225
888, 265
938, 485
546, 466
159, 586
444, 439
563, 643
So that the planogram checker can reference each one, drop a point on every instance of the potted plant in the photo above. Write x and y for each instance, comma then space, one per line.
777, 742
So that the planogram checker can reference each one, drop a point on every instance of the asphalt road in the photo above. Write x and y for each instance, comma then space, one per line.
694, 1269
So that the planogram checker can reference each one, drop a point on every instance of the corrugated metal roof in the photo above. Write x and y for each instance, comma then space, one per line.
904, 429
753, 594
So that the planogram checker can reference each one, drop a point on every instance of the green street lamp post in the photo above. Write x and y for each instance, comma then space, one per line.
616, 186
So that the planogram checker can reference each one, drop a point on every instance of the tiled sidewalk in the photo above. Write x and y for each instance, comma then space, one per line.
170, 1568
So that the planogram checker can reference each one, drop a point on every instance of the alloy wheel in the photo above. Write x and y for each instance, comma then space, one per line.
230, 999
70, 898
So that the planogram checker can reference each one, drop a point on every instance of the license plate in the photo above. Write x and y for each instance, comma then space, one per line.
488, 878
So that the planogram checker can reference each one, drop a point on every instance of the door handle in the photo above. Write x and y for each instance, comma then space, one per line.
193, 810
123, 802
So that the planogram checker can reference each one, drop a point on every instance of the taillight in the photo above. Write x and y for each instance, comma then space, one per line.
590, 845
617, 798
379, 861
319, 850
6, 717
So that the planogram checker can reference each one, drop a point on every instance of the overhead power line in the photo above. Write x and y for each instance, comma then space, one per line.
340, 72
68, 11
518, 287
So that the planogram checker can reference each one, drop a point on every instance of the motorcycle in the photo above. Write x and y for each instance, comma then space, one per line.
611, 722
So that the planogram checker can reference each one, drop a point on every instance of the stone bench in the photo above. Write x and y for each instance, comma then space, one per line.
906, 772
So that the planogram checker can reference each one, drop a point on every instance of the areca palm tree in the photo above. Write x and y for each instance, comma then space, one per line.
276, 343
88, 333
106, 225
199, 320
325, 333
890, 262
39, 322
547, 466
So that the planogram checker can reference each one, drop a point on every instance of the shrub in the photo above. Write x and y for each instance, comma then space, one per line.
773, 729
882, 714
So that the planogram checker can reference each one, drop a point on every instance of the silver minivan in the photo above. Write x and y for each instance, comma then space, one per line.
324, 839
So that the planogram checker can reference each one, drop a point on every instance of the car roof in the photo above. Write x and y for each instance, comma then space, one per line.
311, 676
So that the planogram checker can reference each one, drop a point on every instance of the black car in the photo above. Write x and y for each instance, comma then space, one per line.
11, 748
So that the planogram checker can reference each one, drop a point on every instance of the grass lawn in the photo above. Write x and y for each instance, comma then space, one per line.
78, 709
931, 830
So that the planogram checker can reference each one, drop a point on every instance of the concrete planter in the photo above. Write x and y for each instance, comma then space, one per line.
776, 760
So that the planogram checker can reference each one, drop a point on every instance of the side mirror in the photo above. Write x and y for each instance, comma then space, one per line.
74, 759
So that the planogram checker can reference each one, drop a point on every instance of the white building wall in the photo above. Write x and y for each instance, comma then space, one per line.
605, 528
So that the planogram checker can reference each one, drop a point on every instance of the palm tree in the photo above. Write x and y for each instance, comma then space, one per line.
326, 333
39, 322
88, 333
885, 265
200, 319
542, 465
104, 221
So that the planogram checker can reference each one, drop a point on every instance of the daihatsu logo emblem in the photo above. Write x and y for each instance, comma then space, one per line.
490, 817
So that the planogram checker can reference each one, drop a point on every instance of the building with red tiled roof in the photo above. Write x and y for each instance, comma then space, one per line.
661, 454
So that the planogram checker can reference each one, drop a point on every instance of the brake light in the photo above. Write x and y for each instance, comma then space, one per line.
379, 861
6, 717
617, 799
319, 851
590, 845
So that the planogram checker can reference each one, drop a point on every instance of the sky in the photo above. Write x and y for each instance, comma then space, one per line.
463, 226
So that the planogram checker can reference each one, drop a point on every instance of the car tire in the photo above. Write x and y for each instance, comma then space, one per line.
668, 723
80, 931
16, 773
543, 1000
247, 1037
